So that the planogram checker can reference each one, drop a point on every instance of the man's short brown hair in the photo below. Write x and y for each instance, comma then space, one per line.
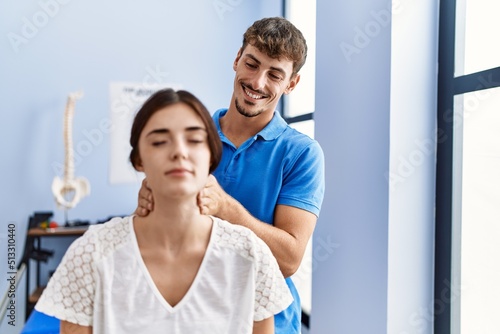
278, 38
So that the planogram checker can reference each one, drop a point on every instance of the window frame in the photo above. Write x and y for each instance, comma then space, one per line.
448, 87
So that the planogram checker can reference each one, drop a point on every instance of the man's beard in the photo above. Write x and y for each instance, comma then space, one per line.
246, 113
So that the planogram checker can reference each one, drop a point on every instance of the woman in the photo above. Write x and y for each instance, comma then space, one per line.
176, 270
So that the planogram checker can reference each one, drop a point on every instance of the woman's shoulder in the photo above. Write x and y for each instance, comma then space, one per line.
118, 224
239, 238
105, 237
225, 230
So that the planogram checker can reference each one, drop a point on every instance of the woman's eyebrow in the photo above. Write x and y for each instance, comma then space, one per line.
165, 130
158, 131
196, 128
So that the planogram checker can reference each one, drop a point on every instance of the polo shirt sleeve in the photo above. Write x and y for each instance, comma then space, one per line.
304, 179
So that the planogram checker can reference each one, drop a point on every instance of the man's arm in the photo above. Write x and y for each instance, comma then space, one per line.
287, 238
265, 326
71, 328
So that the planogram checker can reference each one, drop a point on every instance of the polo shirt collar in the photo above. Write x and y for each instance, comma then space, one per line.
270, 132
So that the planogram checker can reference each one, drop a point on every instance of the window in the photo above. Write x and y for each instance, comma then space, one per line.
467, 266
478, 244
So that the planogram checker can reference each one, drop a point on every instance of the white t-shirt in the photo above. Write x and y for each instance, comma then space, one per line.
103, 282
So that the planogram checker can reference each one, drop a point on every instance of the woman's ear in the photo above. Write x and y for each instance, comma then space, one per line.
138, 165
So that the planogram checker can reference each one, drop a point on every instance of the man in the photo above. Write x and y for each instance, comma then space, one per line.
271, 177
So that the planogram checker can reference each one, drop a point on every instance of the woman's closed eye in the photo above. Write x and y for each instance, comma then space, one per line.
193, 141
196, 140
196, 137
158, 142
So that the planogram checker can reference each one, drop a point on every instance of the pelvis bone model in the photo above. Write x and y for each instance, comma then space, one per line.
69, 190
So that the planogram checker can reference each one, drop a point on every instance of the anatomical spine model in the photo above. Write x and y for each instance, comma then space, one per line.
69, 190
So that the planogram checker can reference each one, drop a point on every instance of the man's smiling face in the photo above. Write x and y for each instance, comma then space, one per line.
260, 81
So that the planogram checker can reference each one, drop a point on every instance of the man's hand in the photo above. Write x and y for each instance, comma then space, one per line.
145, 200
212, 198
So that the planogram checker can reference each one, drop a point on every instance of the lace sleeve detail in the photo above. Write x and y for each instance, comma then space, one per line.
272, 293
69, 295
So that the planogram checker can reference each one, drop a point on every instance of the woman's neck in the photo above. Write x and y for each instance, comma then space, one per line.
173, 225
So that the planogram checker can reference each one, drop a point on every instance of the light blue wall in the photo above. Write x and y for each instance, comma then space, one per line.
376, 90
50, 48
352, 120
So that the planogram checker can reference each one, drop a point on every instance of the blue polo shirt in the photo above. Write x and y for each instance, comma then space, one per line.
279, 165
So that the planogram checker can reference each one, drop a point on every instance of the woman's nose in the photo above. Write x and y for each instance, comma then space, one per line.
179, 150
